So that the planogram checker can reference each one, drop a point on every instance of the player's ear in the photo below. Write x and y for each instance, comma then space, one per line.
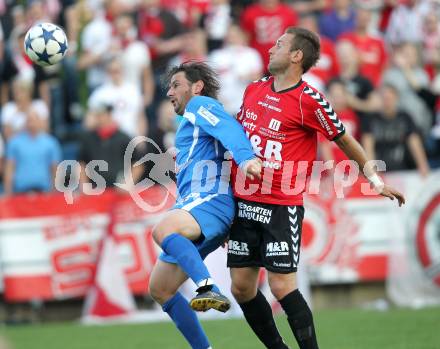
297, 56
197, 87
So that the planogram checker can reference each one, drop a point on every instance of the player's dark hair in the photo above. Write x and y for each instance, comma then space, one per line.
197, 71
308, 42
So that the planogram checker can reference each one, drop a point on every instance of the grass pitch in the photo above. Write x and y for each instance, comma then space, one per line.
337, 329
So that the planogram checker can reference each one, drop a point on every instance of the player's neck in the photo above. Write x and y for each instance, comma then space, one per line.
284, 81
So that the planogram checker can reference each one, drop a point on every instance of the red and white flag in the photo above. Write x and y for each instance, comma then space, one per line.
110, 296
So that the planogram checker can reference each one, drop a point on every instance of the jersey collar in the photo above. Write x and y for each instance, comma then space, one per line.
287, 89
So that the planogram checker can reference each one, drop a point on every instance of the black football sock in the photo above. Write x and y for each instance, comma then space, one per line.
300, 320
258, 314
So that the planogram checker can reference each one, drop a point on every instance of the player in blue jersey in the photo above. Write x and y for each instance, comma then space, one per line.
199, 221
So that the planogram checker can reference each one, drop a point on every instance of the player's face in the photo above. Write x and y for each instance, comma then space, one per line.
280, 55
179, 92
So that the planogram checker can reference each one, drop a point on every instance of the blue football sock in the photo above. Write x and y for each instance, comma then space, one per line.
188, 258
186, 321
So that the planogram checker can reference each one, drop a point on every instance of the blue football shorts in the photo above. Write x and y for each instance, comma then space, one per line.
214, 213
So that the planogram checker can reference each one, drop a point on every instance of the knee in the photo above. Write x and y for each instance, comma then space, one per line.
280, 288
243, 291
158, 293
159, 233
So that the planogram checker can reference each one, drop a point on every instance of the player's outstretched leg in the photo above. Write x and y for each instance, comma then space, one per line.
174, 234
165, 280
255, 307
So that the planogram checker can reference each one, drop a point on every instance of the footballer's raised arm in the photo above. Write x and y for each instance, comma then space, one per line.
209, 115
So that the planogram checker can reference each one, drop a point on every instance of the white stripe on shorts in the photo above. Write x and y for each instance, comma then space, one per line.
197, 202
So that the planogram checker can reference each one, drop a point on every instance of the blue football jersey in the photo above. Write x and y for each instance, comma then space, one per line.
205, 135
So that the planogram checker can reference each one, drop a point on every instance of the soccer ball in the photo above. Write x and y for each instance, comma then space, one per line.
45, 44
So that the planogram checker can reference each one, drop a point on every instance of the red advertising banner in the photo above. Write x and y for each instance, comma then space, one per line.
48, 248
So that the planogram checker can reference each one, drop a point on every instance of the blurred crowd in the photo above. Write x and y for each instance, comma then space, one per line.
379, 67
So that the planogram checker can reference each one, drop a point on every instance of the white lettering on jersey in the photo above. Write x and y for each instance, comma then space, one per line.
323, 121
208, 116
256, 141
274, 124
273, 150
251, 115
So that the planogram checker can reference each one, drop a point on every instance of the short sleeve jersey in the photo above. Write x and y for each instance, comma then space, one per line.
282, 128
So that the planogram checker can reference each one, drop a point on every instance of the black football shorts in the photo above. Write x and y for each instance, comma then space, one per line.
265, 235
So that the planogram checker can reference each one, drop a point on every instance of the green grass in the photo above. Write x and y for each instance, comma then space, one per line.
337, 329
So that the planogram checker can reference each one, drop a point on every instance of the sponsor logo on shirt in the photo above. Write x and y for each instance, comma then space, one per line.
251, 115
208, 116
322, 120
274, 124
269, 106
249, 125
272, 98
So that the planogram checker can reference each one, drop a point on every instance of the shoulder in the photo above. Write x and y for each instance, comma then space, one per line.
311, 96
50, 140
202, 101
17, 140
264, 82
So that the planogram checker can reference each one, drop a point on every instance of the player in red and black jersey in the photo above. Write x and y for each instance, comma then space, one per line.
282, 116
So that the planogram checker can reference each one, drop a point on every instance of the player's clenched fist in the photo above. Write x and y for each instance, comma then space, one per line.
252, 168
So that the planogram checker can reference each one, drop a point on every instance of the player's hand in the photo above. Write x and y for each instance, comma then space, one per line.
252, 168
392, 194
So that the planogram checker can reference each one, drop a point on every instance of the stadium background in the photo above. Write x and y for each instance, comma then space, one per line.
360, 254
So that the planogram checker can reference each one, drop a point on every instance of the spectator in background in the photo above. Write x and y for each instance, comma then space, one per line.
14, 114
412, 82
194, 48
161, 31
264, 22
163, 134
2, 160
327, 66
216, 22
371, 49
392, 136
96, 43
237, 65
309, 7
31, 158
166, 126
4, 71
125, 98
405, 24
339, 20
135, 58
39, 11
337, 96
188, 12
431, 43
361, 96
107, 143
21, 64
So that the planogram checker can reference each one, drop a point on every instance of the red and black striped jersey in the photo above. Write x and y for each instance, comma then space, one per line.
282, 127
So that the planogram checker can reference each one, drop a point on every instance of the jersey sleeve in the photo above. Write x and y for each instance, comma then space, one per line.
318, 114
211, 117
